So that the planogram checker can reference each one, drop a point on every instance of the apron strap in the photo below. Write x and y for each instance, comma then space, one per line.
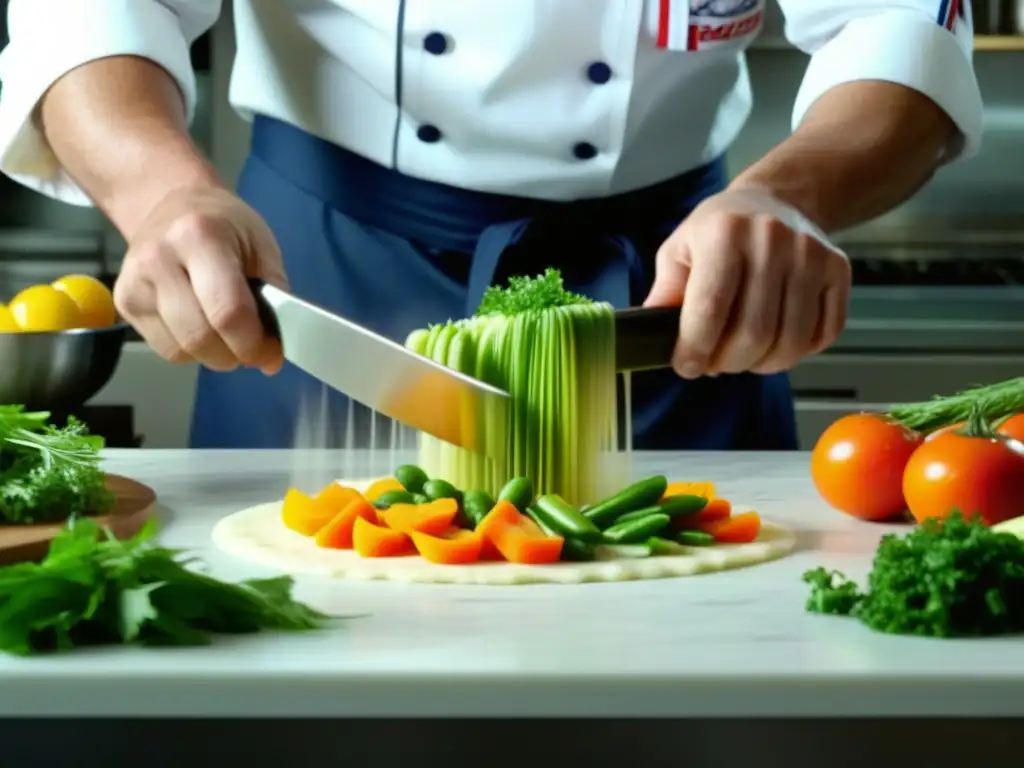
493, 242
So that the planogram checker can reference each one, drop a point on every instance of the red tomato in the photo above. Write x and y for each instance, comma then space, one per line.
944, 430
857, 465
976, 475
1013, 427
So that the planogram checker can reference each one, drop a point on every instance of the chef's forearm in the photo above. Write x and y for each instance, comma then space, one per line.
864, 148
118, 126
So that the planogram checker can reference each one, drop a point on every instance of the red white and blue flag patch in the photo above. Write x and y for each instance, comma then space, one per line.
694, 25
951, 12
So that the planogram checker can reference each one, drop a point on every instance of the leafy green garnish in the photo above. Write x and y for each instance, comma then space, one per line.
48, 473
524, 294
955, 578
993, 402
92, 588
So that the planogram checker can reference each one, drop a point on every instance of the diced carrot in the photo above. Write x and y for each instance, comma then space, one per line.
715, 509
704, 488
489, 552
453, 546
305, 514
336, 496
337, 534
503, 513
381, 487
738, 529
517, 537
432, 518
371, 540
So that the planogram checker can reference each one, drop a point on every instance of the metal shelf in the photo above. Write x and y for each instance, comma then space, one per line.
999, 43
981, 43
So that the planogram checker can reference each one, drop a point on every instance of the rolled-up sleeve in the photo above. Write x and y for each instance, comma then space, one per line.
49, 38
925, 45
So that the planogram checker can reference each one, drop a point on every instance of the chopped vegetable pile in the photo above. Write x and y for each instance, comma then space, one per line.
48, 473
951, 578
553, 351
92, 589
413, 514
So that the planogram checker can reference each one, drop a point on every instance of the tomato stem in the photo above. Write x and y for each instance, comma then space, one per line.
978, 425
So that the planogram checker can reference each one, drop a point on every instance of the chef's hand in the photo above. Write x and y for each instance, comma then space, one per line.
183, 281
761, 287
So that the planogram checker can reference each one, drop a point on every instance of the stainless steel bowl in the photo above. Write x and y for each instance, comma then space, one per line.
58, 371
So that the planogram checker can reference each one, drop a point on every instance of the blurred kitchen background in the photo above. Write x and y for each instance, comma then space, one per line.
938, 303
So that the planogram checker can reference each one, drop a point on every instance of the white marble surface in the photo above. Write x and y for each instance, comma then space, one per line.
735, 643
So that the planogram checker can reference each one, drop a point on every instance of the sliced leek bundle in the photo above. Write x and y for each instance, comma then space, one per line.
554, 352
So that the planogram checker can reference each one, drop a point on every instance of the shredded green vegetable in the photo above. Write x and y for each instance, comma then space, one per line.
553, 351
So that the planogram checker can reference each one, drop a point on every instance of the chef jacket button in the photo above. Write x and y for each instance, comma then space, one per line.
584, 151
599, 73
428, 134
435, 43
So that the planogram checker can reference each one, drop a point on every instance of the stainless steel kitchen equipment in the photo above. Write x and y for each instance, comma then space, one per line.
58, 371
924, 320
412, 389
377, 372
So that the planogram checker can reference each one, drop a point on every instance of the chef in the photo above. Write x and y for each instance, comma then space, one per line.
406, 154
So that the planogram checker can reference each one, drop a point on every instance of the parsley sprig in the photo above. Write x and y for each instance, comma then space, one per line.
48, 473
957, 578
94, 589
523, 294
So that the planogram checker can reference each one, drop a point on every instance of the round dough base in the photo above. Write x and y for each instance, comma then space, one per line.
258, 535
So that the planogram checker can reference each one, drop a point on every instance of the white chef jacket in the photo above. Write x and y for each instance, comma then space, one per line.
555, 99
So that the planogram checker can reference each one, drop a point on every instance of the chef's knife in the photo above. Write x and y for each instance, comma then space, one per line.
645, 338
379, 373
413, 389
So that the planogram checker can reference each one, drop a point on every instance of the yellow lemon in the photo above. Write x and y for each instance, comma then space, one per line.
7, 324
95, 301
44, 308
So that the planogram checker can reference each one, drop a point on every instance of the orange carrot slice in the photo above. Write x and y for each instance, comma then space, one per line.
452, 546
715, 509
371, 540
335, 496
739, 529
433, 518
337, 534
703, 488
380, 487
503, 513
305, 514
517, 537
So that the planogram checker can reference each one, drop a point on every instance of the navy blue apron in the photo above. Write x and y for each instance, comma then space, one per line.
396, 253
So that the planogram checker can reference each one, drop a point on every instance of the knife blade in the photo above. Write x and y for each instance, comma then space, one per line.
411, 388
379, 373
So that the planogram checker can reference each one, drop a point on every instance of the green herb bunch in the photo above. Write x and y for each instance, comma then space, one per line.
93, 589
993, 402
524, 294
48, 473
955, 578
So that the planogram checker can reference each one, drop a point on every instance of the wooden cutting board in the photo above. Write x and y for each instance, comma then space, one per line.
134, 505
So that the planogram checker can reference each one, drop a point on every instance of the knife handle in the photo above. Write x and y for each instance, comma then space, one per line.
263, 308
645, 338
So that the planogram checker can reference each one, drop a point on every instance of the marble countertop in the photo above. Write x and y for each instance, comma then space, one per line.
734, 643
